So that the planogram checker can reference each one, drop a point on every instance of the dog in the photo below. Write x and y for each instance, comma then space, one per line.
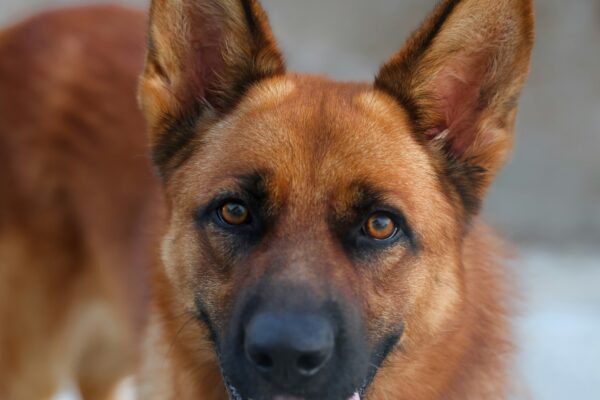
323, 238
78, 202
320, 240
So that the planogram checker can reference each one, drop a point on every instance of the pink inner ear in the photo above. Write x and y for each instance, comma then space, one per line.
203, 62
457, 89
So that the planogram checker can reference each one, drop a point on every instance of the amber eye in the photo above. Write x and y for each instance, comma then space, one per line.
234, 213
380, 226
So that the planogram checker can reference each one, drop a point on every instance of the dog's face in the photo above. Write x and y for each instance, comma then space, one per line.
316, 227
298, 210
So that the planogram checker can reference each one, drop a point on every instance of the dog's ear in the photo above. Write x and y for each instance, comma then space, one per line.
459, 77
202, 57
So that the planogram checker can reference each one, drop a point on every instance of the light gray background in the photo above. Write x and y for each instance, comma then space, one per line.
548, 198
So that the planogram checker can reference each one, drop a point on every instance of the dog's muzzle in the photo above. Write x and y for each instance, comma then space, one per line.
291, 346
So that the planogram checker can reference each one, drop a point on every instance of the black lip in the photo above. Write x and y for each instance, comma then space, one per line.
381, 353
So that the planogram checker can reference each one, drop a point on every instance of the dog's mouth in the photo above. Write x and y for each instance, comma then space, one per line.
234, 394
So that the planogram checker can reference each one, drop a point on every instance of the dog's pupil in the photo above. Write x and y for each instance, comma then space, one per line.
381, 223
235, 213
380, 226
236, 210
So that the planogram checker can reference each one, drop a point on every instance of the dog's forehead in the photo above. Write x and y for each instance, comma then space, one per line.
312, 135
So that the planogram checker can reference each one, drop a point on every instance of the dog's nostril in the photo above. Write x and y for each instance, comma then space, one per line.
262, 360
308, 364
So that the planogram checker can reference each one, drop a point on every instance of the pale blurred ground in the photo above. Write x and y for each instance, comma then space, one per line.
547, 200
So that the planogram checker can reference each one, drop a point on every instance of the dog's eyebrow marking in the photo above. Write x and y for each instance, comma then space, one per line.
363, 196
254, 184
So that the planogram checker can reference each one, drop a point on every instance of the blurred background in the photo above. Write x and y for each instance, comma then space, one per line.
546, 201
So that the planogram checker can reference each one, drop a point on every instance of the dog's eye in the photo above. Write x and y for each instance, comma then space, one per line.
234, 213
380, 226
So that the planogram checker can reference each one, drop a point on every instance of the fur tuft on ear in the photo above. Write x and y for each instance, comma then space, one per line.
459, 77
202, 57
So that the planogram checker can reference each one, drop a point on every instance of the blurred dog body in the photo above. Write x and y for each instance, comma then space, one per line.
77, 200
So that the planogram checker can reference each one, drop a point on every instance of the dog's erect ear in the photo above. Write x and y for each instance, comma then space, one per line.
202, 57
459, 77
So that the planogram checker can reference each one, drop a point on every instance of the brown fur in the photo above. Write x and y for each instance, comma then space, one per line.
457, 78
468, 358
429, 135
76, 203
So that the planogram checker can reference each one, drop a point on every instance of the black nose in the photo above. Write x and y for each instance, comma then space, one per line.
288, 348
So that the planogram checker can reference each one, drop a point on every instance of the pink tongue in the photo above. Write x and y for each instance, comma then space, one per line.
355, 397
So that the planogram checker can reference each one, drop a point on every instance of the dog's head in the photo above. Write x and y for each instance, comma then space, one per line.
316, 227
